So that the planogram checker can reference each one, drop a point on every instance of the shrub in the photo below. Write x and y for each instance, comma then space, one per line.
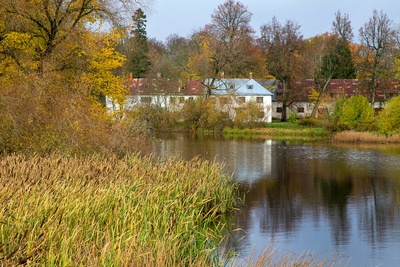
154, 117
309, 122
389, 118
357, 114
45, 115
248, 115
204, 114
292, 117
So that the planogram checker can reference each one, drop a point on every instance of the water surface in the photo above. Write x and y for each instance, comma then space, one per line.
321, 198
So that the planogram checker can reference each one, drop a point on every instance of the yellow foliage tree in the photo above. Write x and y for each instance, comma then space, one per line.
55, 72
99, 76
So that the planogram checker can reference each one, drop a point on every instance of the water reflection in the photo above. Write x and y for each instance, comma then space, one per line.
321, 198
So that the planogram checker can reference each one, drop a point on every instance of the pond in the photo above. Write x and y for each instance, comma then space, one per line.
321, 199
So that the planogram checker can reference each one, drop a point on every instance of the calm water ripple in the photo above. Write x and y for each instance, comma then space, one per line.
326, 199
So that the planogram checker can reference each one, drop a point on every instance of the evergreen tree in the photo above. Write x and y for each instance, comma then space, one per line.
140, 60
340, 59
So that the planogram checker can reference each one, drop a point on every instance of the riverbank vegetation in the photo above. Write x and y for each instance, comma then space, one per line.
293, 131
76, 185
108, 211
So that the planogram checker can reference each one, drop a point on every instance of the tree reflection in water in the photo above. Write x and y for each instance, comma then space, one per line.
323, 198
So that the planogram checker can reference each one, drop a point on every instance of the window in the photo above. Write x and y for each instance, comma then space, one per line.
300, 109
259, 99
181, 99
241, 99
145, 99
249, 86
279, 109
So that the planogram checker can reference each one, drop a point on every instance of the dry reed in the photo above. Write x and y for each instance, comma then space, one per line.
271, 256
365, 137
105, 211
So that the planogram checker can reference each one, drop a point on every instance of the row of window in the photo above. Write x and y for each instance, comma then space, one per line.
223, 100
299, 109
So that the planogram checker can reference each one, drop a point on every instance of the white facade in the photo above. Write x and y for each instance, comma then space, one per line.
231, 94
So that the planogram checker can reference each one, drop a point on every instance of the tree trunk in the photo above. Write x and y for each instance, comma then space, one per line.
284, 102
284, 111
319, 99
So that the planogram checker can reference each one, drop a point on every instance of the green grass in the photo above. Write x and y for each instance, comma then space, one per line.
281, 131
106, 211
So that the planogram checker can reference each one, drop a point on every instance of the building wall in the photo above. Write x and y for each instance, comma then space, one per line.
225, 103
301, 109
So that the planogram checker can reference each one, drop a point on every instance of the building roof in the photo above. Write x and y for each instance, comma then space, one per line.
222, 86
239, 87
157, 86
346, 87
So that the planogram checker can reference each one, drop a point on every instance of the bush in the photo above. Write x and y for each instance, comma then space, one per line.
248, 115
309, 122
389, 118
154, 117
204, 114
44, 115
292, 117
356, 114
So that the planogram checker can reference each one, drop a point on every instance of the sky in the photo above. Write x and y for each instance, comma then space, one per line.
183, 17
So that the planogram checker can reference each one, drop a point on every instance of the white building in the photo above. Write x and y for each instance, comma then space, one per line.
172, 94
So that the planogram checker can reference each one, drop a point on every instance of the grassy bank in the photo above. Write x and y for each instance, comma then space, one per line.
365, 137
105, 211
282, 131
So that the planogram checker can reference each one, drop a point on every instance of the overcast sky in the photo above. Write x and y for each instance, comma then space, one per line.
182, 17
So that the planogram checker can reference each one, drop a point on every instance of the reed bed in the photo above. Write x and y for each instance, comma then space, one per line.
365, 137
271, 256
106, 211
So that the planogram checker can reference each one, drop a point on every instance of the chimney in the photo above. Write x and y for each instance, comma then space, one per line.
130, 76
250, 76
222, 75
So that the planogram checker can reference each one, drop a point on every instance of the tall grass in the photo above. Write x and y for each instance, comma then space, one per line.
106, 211
271, 256
365, 137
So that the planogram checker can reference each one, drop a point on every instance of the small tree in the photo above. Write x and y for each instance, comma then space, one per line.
283, 45
389, 118
357, 113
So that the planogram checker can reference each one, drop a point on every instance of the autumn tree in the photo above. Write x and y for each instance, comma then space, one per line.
330, 57
56, 62
377, 38
283, 45
319, 65
157, 51
175, 60
53, 27
223, 45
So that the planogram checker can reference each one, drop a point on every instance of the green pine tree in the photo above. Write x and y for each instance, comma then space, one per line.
340, 59
140, 60
345, 65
